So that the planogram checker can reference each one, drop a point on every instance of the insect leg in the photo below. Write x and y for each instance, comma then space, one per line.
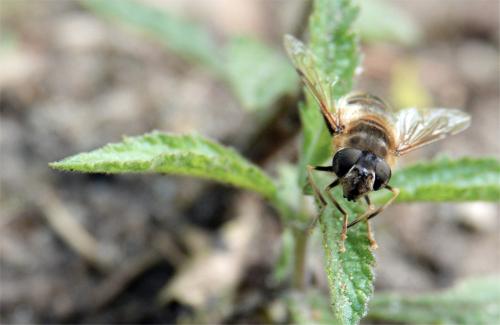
327, 169
373, 243
317, 194
343, 234
395, 193
370, 214
312, 183
369, 202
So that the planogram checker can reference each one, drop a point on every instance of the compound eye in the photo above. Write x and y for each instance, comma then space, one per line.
382, 174
344, 159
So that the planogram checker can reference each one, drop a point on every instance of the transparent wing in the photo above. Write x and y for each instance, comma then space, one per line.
418, 127
320, 86
356, 105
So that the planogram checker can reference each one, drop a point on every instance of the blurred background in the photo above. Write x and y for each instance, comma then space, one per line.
149, 249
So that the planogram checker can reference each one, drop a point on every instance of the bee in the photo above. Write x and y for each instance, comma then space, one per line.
368, 137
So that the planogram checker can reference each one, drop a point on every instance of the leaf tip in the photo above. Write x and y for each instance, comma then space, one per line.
55, 165
61, 166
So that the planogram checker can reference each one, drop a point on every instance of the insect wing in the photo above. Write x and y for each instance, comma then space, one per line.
418, 127
320, 86
357, 105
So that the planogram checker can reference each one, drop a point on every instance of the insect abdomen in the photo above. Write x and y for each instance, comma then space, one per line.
366, 135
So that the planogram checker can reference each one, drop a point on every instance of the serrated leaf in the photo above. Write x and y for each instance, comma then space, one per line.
350, 273
475, 301
158, 152
185, 38
444, 179
257, 74
335, 46
333, 41
440, 180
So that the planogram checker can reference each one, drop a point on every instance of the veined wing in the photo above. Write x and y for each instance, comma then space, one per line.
418, 127
320, 86
357, 105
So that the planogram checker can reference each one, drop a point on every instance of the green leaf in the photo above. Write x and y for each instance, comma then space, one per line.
350, 274
337, 56
187, 39
257, 74
158, 152
333, 41
316, 146
475, 301
444, 179
396, 25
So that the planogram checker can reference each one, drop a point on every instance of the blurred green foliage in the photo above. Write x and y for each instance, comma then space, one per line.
257, 74
311, 308
474, 301
185, 38
382, 20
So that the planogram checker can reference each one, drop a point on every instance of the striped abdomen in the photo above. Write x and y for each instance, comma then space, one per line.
370, 135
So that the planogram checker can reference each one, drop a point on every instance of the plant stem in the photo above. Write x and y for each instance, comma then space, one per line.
299, 268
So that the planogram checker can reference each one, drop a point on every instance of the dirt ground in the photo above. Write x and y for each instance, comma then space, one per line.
153, 249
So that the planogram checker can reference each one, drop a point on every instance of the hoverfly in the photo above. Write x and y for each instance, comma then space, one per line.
367, 137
